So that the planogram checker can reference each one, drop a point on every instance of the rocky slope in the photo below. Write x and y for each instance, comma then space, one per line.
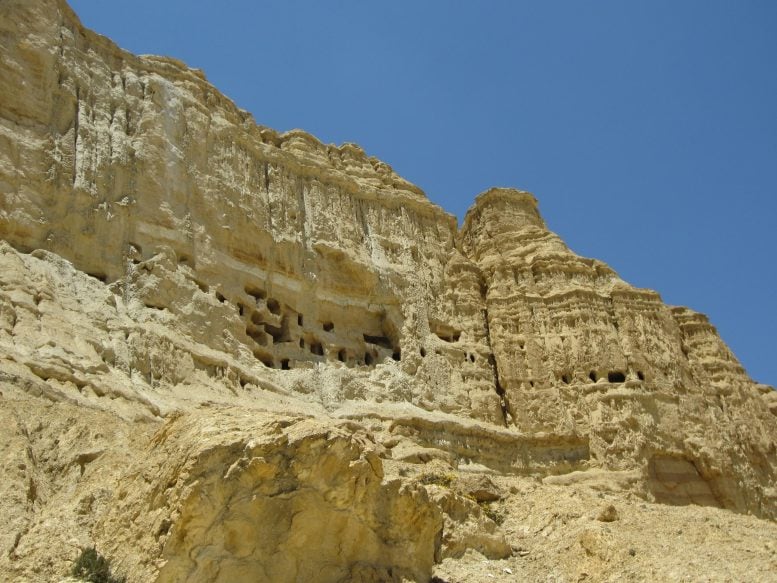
232, 354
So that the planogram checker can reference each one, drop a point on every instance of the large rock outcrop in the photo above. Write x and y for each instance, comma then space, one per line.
232, 354
266, 498
580, 353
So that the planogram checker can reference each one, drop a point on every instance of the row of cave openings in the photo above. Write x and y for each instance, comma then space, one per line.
613, 376
270, 324
281, 338
447, 334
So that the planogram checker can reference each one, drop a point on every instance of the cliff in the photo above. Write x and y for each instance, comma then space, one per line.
232, 354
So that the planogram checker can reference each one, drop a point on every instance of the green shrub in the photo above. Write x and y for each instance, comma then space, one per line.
91, 566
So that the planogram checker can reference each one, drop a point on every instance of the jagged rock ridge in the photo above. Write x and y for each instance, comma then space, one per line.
202, 286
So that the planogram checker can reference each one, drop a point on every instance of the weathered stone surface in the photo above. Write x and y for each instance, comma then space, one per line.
257, 497
579, 352
232, 354
291, 252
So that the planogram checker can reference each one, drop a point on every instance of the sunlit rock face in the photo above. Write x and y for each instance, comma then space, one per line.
209, 330
295, 253
583, 355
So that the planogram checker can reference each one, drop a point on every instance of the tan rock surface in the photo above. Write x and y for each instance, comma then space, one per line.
228, 354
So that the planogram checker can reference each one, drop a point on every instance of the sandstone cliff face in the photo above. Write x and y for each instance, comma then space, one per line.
266, 498
232, 354
136, 168
582, 354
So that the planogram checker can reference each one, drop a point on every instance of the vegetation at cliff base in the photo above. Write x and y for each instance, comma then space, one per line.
91, 566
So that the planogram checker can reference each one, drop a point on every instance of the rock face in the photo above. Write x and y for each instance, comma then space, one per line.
232, 354
265, 498
582, 355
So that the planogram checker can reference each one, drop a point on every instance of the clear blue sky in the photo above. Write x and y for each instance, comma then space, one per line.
647, 130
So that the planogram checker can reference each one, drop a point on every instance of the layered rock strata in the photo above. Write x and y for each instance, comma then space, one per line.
137, 169
293, 349
580, 353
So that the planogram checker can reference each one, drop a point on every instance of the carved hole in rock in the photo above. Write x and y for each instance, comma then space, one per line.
203, 286
342, 355
274, 306
423, 352
241, 309
220, 297
472, 358
285, 364
255, 292
257, 334
299, 319
279, 334
616, 377
264, 359
521, 345
378, 341
317, 348
444, 332
99, 275
302, 343
397, 355
531, 384
328, 326
640, 375
565, 379
593, 376
449, 337
368, 359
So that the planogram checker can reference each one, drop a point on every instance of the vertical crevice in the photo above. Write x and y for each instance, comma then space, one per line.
492, 361
75, 135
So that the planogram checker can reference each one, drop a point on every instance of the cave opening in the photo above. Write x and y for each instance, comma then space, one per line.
255, 292
274, 306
